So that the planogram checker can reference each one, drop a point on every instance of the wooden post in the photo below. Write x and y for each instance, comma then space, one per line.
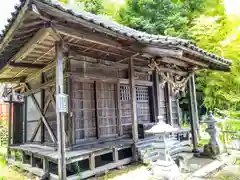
45, 165
42, 107
92, 161
194, 113
178, 113
10, 140
115, 154
60, 115
25, 120
156, 91
169, 104
133, 107
71, 131
9, 127
120, 129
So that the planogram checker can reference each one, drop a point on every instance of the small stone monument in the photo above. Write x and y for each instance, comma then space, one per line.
214, 147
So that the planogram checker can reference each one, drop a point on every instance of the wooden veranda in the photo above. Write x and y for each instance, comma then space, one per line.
89, 84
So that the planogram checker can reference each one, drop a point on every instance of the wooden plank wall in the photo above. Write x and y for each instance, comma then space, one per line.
101, 120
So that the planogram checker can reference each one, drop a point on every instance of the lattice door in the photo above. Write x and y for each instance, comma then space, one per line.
106, 109
143, 105
125, 109
83, 107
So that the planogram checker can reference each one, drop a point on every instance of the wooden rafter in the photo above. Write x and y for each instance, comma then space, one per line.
11, 80
26, 65
31, 44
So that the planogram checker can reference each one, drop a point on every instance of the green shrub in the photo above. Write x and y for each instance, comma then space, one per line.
3, 135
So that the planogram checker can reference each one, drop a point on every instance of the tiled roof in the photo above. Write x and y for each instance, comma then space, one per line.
139, 36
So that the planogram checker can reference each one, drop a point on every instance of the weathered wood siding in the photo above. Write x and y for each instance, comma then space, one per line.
106, 109
83, 109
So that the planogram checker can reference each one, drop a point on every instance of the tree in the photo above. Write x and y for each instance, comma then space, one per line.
165, 17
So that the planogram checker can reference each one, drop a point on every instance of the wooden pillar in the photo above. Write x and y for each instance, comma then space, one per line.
10, 125
169, 104
60, 115
45, 165
194, 111
42, 107
25, 120
71, 130
133, 107
156, 94
9, 128
178, 112
120, 129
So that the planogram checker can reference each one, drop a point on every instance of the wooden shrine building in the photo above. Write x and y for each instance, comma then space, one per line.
89, 84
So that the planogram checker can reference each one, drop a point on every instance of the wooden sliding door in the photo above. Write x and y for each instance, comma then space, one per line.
106, 109
83, 107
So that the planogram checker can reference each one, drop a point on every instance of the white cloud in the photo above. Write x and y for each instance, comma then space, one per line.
5, 11
232, 7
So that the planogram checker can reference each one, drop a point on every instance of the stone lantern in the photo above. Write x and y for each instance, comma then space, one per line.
214, 147
163, 166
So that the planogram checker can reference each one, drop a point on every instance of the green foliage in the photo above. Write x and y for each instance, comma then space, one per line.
3, 135
202, 21
165, 17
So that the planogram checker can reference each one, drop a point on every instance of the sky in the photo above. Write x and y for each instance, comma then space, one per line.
232, 7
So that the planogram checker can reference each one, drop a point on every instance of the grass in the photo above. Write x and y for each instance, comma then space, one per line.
10, 172
118, 172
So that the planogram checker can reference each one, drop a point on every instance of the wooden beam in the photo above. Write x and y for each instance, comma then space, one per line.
26, 65
11, 80
31, 44
70, 32
137, 82
60, 115
194, 62
97, 50
46, 68
170, 60
203, 56
159, 52
42, 86
133, 107
110, 64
